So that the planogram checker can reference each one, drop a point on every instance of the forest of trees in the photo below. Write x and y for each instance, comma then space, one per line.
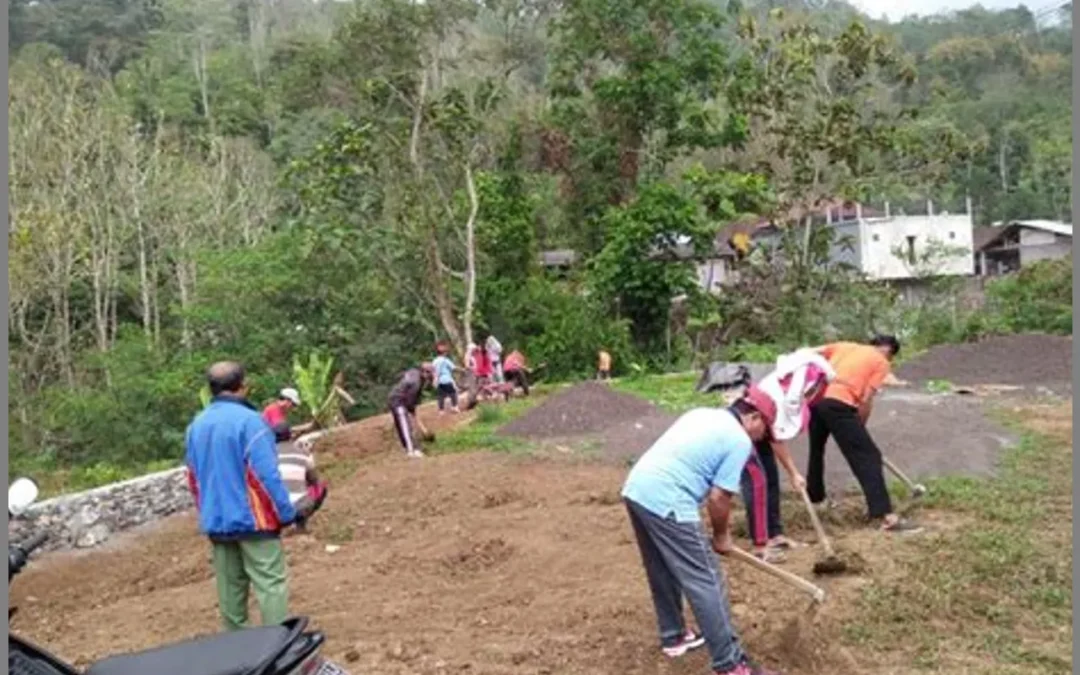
259, 179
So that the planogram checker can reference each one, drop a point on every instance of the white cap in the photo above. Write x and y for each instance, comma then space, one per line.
290, 394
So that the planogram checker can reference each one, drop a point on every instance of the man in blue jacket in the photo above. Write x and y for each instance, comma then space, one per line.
242, 501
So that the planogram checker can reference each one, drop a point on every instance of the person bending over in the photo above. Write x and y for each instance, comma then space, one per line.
698, 460
861, 371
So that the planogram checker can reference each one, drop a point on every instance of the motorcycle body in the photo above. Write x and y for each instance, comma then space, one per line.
285, 649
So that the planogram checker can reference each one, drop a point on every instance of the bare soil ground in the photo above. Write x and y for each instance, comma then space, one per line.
1028, 360
481, 562
927, 435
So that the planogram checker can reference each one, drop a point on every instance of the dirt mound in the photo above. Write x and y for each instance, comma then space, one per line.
1028, 360
628, 439
587, 408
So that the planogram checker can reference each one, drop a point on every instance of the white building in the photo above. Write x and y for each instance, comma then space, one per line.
896, 247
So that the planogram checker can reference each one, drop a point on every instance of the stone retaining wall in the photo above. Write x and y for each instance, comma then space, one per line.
87, 519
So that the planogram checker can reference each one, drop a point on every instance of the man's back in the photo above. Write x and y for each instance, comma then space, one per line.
704, 447
406, 393
859, 370
444, 370
235, 480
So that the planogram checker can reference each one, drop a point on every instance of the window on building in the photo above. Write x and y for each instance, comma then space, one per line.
952, 235
911, 249
876, 237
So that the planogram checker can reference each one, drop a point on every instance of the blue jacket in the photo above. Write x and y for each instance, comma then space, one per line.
233, 472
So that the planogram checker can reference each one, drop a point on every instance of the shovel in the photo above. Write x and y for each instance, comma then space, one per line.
795, 581
830, 564
917, 489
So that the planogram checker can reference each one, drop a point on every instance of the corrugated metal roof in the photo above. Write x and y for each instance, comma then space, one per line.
1055, 226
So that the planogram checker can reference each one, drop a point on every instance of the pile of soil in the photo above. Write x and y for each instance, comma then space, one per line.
1028, 360
584, 409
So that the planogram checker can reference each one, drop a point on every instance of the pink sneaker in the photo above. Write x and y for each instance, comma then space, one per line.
689, 641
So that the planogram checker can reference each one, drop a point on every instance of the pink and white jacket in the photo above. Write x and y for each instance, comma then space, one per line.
795, 375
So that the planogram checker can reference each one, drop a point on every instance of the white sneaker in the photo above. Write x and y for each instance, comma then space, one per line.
687, 643
415, 454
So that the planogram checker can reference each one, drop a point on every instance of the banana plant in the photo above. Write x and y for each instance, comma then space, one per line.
316, 387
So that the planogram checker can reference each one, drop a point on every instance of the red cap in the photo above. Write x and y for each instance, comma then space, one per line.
763, 403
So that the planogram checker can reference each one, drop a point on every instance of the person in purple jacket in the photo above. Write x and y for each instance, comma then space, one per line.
242, 502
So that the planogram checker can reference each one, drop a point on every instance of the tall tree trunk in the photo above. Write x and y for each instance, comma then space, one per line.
1003, 167
470, 254
201, 76
144, 277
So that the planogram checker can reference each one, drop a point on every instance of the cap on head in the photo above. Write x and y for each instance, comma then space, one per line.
291, 395
763, 403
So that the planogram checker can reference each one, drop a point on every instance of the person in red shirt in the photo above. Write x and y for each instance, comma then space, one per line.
277, 413
481, 364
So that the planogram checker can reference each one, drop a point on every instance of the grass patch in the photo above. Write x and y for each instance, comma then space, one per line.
53, 481
481, 434
997, 591
672, 393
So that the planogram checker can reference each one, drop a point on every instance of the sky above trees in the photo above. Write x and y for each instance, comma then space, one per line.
895, 10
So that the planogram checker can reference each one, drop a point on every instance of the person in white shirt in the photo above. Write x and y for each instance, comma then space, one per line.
494, 352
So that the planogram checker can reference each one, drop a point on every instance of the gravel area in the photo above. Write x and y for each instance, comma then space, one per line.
1029, 361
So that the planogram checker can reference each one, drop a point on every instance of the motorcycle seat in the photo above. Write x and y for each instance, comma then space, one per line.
232, 653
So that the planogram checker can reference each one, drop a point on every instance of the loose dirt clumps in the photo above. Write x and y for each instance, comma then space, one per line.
587, 408
1028, 360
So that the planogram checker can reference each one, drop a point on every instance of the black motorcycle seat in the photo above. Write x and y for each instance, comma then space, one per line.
232, 653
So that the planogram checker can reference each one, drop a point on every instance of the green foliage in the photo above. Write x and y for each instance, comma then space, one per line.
629, 74
1037, 298
555, 326
639, 270
315, 385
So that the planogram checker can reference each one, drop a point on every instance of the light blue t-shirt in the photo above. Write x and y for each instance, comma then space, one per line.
444, 370
705, 447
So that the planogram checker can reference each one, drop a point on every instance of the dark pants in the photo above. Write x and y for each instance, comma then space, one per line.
678, 560
841, 421
404, 430
519, 379
761, 493
446, 391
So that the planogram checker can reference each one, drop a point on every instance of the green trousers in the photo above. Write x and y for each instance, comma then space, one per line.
240, 565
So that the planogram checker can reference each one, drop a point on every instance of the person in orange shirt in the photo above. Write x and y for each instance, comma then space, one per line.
861, 371
603, 365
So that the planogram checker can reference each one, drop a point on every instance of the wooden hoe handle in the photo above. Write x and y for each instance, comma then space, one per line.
818, 594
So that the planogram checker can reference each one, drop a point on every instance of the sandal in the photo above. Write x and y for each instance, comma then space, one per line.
784, 544
771, 556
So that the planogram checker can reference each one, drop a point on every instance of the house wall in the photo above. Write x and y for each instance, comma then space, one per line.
715, 270
879, 238
1038, 245
1032, 237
